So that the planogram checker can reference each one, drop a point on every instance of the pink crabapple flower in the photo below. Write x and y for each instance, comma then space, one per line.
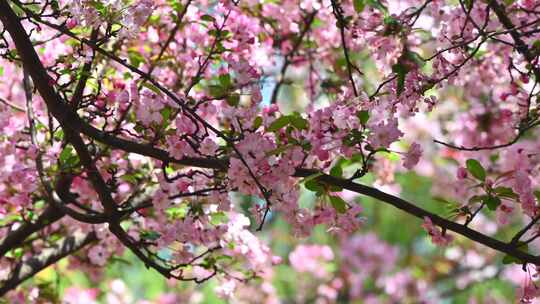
412, 156
437, 236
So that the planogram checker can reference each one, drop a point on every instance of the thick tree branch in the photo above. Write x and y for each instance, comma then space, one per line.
421, 213
16, 237
29, 267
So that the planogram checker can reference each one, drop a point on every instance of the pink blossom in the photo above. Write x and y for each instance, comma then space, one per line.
385, 133
412, 156
503, 212
98, 255
437, 237
529, 292
462, 173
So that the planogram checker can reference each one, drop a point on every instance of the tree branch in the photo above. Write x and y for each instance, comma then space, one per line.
28, 268
16, 237
421, 213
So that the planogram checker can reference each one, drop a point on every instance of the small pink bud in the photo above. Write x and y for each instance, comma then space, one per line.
71, 23
119, 85
461, 173
504, 96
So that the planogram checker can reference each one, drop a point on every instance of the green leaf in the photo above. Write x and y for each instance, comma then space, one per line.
401, 71
217, 90
477, 198
129, 178
225, 80
151, 87
416, 58
505, 192
208, 18
169, 170
177, 6
336, 171
334, 188
313, 185
537, 194
476, 169
279, 123
363, 116
257, 122
58, 135
177, 212
98, 6
166, 114
66, 154
338, 203
150, 235
508, 259
378, 5
135, 58
536, 45
55, 5
233, 100
492, 202
17, 253
218, 218
359, 5
299, 122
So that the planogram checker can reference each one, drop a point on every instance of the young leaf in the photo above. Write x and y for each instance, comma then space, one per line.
66, 154
233, 100
336, 171
359, 5
401, 71
505, 192
363, 116
257, 122
150, 235
477, 198
338, 203
476, 169
208, 18
508, 259
492, 202
299, 122
279, 123
313, 185
537, 194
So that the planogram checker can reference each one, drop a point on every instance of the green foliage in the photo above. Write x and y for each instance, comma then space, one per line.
295, 120
475, 168
338, 203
